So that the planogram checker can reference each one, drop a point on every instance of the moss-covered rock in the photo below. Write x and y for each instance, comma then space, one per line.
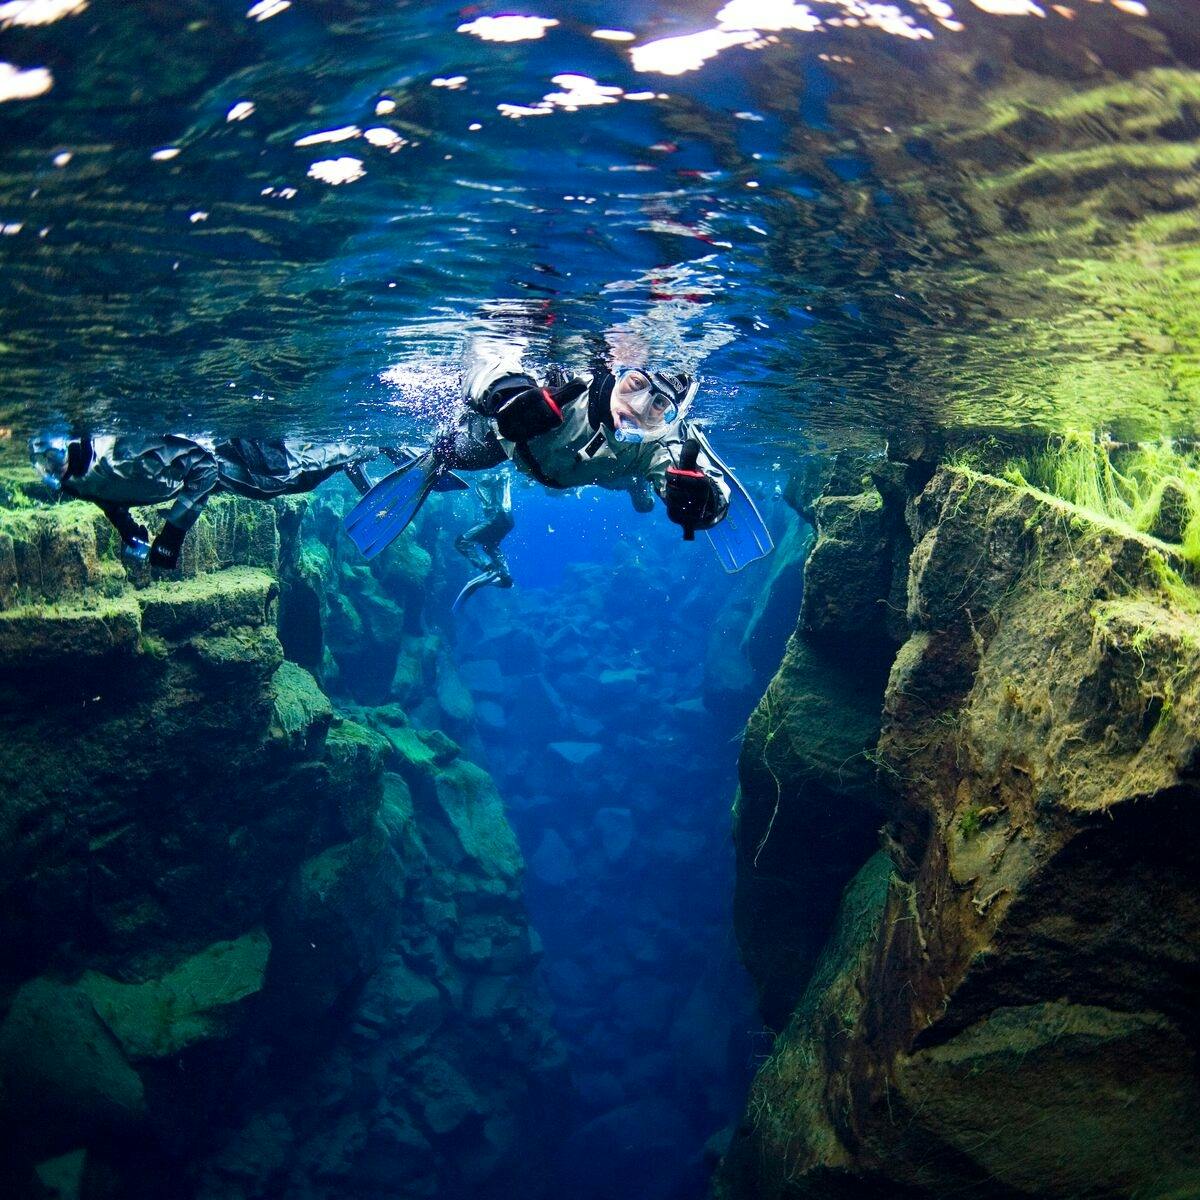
170, 781
1038, 758
808, 809
196, 1001
63, 1077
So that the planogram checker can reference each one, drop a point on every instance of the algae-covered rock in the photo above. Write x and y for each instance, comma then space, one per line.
1015, 1019
468, 799
197, 1001
170, 781
237, 597
1116, 1092
807, 809
63, 1076
302, 712
69, 633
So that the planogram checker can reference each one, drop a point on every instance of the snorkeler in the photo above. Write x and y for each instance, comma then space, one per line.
117, 473
624, 430
480, 545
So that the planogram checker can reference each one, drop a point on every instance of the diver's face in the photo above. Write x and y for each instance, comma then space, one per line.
638, 408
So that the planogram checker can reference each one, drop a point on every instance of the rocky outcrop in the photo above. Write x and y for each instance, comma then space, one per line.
814, 732
248, 946
1005, 1002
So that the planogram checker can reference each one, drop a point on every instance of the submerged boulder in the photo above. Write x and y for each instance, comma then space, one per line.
232, 920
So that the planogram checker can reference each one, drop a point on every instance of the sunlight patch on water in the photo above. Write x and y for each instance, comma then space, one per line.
576, 92
19, 84
38, 12
264, 10
337, 170
508, 28
344, 134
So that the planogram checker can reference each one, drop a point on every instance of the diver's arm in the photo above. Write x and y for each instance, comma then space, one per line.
692, 487
134, 537
200, 477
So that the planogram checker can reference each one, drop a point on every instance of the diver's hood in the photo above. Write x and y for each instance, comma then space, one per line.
49, 455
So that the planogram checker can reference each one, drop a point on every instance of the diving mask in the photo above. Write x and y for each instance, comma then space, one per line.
645, 405
49, 458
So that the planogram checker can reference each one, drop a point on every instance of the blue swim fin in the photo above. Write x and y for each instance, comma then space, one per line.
385, 511
404, 456
742, 537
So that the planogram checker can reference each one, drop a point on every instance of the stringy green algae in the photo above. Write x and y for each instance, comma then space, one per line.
1151, 488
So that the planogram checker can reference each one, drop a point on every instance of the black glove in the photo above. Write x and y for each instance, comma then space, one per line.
536, 411
135, 538
692, 499
164, 551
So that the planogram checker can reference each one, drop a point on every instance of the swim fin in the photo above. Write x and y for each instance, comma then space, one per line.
385, 511
742, 536
404, 456
471, 587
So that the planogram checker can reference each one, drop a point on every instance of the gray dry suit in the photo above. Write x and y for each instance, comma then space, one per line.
126, 472
584, 449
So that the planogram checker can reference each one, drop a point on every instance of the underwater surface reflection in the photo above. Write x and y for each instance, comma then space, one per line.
849, 217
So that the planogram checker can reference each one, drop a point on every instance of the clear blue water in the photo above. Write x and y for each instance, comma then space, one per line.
796, 218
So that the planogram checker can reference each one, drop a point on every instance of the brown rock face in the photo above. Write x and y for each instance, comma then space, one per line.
1008, 1005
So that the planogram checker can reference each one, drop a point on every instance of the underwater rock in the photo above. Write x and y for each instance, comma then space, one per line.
65, 1077
552, 862
231, 920
616, 829
1003, 1004
807, 809
196, 1001
575, 753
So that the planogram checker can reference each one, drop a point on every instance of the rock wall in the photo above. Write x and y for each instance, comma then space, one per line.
1004, 1001
249, 946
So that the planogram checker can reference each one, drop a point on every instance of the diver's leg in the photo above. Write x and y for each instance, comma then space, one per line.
473, 446
470, 545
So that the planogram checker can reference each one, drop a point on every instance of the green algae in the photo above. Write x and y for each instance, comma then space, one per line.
1154, 489
301, 712
191, 1003
236, 596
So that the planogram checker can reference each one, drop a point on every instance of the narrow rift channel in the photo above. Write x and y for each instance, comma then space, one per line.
599, 600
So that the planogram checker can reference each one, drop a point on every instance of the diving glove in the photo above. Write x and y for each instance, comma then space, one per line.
536, 411
164, 550
135, 538
693, 500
